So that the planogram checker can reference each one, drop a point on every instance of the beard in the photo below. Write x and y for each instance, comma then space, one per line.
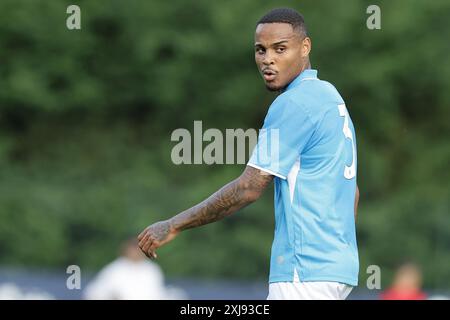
272, 87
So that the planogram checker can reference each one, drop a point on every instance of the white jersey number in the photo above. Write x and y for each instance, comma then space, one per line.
349, 172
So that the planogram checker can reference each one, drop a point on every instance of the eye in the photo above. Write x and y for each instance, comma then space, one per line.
280, 49
260, 50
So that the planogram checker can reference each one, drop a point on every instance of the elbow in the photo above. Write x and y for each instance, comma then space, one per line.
249, 194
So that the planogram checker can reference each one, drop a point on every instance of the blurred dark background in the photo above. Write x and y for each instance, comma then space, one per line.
86, 118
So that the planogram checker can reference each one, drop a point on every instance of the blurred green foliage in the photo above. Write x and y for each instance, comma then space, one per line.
86, 118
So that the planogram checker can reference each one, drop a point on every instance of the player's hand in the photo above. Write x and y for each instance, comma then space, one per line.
154, 236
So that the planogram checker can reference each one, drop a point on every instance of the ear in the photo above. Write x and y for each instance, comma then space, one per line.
306, 47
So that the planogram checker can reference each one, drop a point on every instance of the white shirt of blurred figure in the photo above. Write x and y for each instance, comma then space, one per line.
128, 279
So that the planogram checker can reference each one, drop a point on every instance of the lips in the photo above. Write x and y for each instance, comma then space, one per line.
269, 75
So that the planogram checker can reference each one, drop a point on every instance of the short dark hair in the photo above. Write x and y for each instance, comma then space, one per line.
285, 15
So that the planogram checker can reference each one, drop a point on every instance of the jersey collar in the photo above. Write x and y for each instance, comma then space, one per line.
307, 74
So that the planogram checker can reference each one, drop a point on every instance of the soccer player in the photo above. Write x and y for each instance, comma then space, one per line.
307, 147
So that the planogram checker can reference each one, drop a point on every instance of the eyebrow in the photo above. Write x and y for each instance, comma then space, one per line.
273, 44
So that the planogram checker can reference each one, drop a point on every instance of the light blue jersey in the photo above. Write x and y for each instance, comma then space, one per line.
308, 143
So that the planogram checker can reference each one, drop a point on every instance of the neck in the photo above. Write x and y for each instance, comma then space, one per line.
305, 66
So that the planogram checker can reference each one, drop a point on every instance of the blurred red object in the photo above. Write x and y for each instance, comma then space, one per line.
406, 285
394, 294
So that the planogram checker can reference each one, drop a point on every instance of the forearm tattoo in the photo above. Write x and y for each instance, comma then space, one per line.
230, 198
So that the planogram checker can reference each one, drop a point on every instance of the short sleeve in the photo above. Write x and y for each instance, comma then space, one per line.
286, 131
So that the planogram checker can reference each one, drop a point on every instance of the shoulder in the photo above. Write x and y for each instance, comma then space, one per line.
287, 101
316, 89
326, 92
317, 96
287, 108
328, 87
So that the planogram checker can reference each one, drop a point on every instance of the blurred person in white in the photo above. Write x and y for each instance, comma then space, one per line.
129, 277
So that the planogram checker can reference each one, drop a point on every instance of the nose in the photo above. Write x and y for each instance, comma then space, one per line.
268, 58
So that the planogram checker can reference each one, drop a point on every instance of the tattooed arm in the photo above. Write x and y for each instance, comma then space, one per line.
229, 199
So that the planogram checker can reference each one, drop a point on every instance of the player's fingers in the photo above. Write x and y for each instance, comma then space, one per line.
154, 246
147, 244
145, 250
152, 254
144, 239
146, 254
141, 235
